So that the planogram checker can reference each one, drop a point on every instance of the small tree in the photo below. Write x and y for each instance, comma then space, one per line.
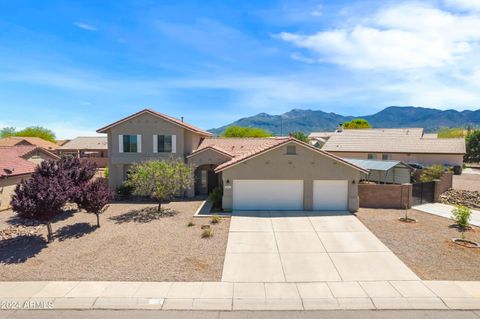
240, 131
76, 173
94, 197
431, 173
473, 147
160, 180
40, 198
299, 136
462, 215
356, 124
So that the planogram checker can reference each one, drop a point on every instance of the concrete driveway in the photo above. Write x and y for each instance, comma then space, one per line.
306, 247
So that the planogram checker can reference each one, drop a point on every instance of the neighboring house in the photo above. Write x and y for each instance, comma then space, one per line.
407, 145
318, 139
28, 141
17, 163
93, 148
255, 173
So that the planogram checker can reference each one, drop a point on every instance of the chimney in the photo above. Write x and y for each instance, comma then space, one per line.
181, 118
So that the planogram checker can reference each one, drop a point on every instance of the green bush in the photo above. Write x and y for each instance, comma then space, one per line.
461, 215
431, 173
190, 224
124, 190
207, 233
215, 219
215, 197
105, 172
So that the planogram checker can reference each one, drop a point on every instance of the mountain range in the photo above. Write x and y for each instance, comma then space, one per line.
308, 121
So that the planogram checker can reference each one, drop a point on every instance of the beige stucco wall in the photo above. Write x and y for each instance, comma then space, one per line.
7, 187
146, 125
425, 159
307, 165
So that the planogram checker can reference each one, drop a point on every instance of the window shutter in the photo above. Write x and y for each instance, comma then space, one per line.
139, 143
174, 143
155, 143
120, 143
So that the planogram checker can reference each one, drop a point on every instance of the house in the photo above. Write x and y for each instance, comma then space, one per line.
407, 145
92, 148
29, 141
279, 173
318, 139
17, 163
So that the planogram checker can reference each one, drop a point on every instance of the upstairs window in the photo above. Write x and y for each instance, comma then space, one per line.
386, 157
130, 144
372, 156
164, 143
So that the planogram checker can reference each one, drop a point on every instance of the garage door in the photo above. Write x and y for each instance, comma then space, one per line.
268, 194
330, 195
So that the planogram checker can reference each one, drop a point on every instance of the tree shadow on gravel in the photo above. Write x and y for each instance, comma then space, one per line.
144, 215
74, 231
19, 249
17, 220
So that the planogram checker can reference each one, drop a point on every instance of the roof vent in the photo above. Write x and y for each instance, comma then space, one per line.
8, 171
181, 118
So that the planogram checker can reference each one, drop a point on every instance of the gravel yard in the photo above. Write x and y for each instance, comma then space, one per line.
129, 246
425, 246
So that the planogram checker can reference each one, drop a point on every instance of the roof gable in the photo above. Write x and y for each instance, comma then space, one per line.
160, 115
240, 159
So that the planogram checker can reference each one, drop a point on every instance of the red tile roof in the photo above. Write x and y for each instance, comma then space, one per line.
14, 159
244, 148
35, 141
163, 116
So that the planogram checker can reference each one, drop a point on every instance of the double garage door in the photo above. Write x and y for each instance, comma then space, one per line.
288, 194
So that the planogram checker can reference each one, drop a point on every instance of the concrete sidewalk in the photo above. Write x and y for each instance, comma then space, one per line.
444, 210
228, 296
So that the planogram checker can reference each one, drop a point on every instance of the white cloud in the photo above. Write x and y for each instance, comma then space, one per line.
465, 5
85, 26
406, 36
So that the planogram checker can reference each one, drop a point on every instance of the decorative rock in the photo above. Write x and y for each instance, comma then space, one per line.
461, 197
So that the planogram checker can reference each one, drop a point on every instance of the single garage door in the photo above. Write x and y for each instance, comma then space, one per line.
330, 195
268, 194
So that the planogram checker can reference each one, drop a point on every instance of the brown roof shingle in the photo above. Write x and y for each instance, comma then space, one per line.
36, 141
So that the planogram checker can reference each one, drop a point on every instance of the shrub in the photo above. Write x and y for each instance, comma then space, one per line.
124, 190
431, 173
190, 224
105, 172
215, 197
240, 131
215, 219
461, 215
207, 233
94, 197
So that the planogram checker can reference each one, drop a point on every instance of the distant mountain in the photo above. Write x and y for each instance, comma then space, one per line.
308, 121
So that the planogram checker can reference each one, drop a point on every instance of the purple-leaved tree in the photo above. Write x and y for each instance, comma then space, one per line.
94, 197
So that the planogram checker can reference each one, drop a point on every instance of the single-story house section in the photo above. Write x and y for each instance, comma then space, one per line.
387, 172
92, 148
28, 141
17, 163
407, 145
318, 139
279, 174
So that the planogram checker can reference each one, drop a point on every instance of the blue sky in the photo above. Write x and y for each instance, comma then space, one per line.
75, 66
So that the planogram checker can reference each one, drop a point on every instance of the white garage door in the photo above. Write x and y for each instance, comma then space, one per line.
330, 195
268, 194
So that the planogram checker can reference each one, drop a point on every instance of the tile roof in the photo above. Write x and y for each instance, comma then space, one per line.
36, 141
392, 141
15, 159
163, 116
86, 143
244, 148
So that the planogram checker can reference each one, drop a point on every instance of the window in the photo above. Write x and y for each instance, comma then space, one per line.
291, 150
164, 143
130, 144
372, 156
386, 157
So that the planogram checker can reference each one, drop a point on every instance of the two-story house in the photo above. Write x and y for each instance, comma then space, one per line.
277, 173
